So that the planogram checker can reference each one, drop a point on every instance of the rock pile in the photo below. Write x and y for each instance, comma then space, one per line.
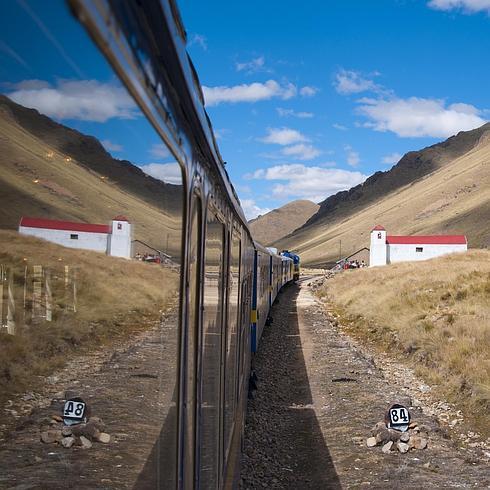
392, 440
53, 431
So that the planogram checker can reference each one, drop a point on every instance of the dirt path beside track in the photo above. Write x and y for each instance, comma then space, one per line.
318, 397
131, 387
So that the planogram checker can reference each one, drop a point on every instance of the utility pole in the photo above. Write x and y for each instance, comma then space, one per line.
340, 249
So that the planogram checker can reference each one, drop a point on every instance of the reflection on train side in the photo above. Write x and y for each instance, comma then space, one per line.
90, 250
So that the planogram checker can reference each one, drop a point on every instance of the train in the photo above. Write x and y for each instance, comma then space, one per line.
296, 262
189, 433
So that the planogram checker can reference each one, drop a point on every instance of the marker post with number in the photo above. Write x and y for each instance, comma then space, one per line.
74, 411
398, 417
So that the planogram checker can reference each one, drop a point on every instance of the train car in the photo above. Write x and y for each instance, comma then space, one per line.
276, 276
271, 273
181, 393
261, 294
287, 269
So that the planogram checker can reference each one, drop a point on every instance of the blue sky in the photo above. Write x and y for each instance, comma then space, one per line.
306, 98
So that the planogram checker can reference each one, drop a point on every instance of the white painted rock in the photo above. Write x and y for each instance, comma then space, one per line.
104, 438
402, 447
371, 442
387, 447
86, 443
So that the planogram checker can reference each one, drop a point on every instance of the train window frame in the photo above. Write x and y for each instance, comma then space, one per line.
228, 430
212, 210
188, 466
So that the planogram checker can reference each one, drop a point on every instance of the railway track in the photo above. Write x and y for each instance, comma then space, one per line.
317, 399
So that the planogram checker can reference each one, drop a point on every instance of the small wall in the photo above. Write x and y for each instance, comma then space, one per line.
85, 240
408, 252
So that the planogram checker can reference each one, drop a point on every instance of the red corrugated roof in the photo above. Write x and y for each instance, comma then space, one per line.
120, 217
427, 240
378, 228
52, 224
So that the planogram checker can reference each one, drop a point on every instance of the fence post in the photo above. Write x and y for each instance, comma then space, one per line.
2, 280
37, 287
74, 278
48, 295
67, 276
11, 304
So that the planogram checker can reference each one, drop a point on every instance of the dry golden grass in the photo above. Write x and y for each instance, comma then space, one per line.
115, 298
433, 314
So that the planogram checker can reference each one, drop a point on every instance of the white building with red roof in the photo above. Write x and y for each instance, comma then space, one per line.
112, 239
388, 249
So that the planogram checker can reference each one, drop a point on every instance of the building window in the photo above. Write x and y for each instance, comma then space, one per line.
73, 236
419, 249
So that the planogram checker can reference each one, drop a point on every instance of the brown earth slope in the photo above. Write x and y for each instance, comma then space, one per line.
48, 170
446, 189
282, 221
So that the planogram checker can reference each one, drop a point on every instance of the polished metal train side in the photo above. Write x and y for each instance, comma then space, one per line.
145, 43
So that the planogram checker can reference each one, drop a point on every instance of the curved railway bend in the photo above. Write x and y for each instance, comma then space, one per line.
305, 430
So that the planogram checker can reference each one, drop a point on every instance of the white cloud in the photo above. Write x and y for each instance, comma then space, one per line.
110, 146
340, 127
221, 133
308, 91
283, 136
252, 66
252, 92
417, 117
292, 113
392, 158
301, 151
159, 150
469, 6
352, 156
352, 82
86, 100
251, 209
167, 172
304, 182
200, 40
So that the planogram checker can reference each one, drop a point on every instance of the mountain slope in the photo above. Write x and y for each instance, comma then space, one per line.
453, 198
411, 167
52, 171
282, 221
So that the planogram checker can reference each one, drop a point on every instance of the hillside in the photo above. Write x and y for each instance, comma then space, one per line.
52, 171
446, 189
280, 222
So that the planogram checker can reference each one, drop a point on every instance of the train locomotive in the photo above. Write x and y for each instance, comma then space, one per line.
296, 262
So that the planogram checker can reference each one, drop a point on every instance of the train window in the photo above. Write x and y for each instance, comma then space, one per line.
91, 220
211, 352
231, 336
191, 344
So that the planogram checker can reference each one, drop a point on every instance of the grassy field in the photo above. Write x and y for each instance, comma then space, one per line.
114, 298
435, 315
